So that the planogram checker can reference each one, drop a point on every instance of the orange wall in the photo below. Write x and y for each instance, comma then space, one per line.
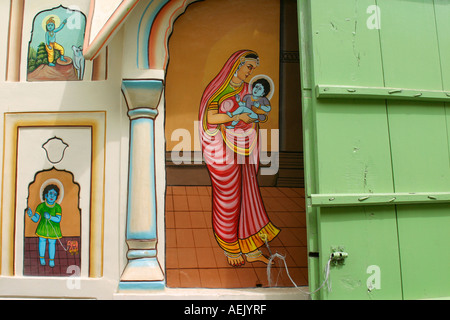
203, 39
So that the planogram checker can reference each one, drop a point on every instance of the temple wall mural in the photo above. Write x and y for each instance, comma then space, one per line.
56, 47
223, 150
61, 165
210, 48
220, 122
116, 119
52, 194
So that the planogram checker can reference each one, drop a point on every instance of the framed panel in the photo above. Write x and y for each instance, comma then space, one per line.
56, 158
14, 124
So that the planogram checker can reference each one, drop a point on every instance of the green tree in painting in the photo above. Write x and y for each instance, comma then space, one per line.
39, 57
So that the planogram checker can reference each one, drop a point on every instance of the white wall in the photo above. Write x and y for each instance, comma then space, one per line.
83, 97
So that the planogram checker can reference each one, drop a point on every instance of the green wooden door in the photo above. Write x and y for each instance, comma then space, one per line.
377, 146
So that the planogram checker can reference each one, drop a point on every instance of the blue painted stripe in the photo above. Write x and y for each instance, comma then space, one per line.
140, 254
146, 27
143, 84
142, 285
143, 112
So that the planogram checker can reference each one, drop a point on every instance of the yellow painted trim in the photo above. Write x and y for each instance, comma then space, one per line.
51, 238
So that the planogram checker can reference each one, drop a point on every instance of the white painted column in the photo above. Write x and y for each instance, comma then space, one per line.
15, 40
143, 271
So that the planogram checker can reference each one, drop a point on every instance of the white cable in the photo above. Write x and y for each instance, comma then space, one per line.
277, 255
326, 281
56, 235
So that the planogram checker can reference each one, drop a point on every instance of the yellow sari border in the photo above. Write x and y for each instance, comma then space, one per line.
236, 149
228, 247
256, 241
251, 243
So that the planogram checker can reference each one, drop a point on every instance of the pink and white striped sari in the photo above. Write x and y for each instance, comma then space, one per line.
240, 221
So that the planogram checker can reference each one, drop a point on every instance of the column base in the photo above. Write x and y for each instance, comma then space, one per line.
142, 274
141, 286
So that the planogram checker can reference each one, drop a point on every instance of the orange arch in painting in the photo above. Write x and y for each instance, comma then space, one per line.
158, 53
71, 212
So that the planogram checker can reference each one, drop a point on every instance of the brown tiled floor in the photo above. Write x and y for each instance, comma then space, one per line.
194, 259
63, 259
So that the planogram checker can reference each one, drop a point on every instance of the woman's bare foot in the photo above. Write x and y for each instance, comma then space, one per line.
235, 260
257, 256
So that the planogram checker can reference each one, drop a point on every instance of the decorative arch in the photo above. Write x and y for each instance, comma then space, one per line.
155, 28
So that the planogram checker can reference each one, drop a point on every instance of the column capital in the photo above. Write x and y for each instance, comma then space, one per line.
142, 97
140, 113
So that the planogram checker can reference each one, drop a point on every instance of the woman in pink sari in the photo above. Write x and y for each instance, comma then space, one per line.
240, 222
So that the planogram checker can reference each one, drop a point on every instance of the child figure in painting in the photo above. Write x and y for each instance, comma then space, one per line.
50, 41
258, 99
49, 213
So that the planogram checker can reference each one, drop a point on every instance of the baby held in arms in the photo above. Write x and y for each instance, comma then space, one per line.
258, 99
